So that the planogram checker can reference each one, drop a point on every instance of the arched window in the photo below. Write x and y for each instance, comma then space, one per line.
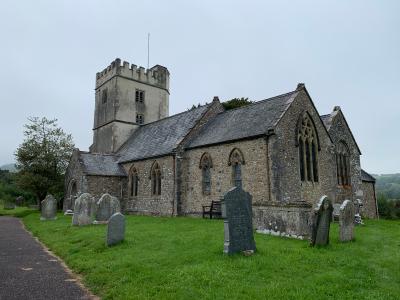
308, 143
236, 160
156, 179
134, 182
343, 164
205, 166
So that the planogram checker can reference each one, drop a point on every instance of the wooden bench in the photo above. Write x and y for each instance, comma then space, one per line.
212, 210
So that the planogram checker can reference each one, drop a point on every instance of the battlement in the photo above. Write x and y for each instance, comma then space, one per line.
156, 76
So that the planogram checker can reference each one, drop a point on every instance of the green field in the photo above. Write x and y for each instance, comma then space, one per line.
181, 258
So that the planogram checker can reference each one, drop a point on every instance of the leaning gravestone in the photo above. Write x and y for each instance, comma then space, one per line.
49, 208
106, 207
238, 226
84, 210
321, 220
346, 221
115, 229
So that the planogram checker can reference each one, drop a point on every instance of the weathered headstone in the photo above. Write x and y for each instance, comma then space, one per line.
84, 210
357, 215
320, 222
115, 229
336, 211
69, 212
19, 201
48, 208
346, 221
238, 226
106, 207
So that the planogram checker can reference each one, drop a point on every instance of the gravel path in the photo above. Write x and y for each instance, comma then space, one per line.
27, 271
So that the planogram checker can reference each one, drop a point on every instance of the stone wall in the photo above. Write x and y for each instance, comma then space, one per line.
113, 185
339, 131
146, 203
254, 174
369, 209
287, 186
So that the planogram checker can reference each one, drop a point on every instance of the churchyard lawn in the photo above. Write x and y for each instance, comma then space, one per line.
16, 212
181, 258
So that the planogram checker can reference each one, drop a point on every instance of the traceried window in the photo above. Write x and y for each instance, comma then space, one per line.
134, 182
139, 119
343, 164
139, 96
307, 140
205, 166
236, 160
156, 179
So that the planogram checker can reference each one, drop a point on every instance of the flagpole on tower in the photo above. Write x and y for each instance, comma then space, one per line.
148, 50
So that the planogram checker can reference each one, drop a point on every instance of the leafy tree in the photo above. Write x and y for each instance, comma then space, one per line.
236, 102
43, 157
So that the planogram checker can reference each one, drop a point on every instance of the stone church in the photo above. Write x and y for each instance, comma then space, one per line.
280, 150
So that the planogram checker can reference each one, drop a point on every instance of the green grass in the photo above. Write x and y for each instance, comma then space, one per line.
181, 258
18, 212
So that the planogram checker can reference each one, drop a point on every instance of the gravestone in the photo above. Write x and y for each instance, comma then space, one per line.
19, 201
346, 221
106, 207
357, 215
84, 210
115, 229
238, 226
336, 211
320, 222
48, 208
8, 205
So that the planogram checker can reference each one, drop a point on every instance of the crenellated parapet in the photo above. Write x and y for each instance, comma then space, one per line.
156, 76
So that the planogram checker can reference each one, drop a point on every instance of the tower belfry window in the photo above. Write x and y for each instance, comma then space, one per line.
104, 96
139, 96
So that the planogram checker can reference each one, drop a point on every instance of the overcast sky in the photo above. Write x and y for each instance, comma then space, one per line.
346, 52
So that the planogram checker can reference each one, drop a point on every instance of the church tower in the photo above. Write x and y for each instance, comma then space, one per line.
126, 98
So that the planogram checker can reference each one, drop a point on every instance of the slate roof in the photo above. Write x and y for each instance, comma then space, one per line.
101, 164
160, 137
244, 122
367, 177
327, 119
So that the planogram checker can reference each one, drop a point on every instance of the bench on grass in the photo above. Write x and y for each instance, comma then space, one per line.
212, 210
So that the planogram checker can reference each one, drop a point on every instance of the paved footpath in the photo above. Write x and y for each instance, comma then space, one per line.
27, 271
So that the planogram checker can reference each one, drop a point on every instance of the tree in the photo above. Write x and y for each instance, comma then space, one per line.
43, 157
236, 102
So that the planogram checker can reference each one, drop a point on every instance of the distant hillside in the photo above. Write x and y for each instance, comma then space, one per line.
388, 185
9, 167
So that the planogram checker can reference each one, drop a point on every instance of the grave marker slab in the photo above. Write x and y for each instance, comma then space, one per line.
48, 208
115, 229
321, 220
84, 210
346, 221
106, 207
238, 225
19, 201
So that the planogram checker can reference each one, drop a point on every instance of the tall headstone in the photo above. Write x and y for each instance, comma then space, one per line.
320, 222
49, 208
106, 207
84, 210
115, 229
238, 226
346, 221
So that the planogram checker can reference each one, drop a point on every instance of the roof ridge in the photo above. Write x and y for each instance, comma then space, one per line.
183, 112
259, 101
